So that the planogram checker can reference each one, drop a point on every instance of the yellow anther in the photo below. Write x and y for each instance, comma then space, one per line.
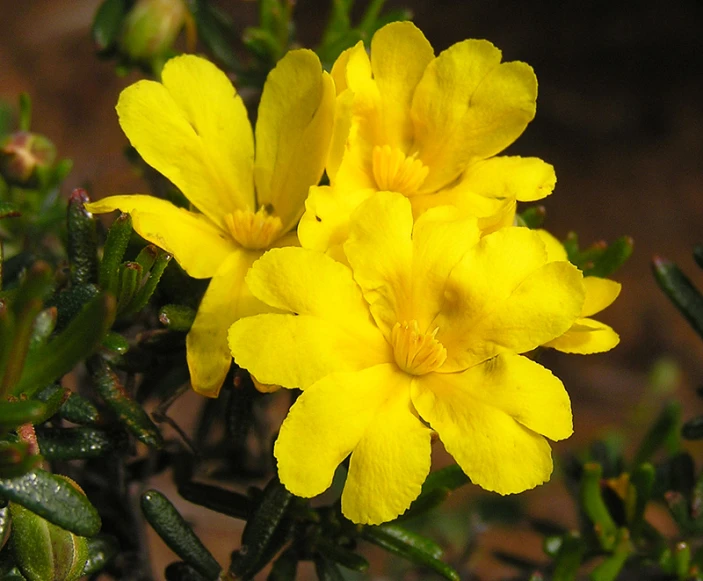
415, 352
254, 231
396, 172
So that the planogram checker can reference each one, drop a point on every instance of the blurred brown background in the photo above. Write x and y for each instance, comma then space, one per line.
620, 115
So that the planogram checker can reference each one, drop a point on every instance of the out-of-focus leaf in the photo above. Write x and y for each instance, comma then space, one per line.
664, 431
612, 258
108, 23
341, 555
642, 480
592, 503
215, 29
327, 570
16, 459
532, 217
78, 443
80, 338
8, 210
176, 533
177, 317
285, 567
568, 558
218, 499
609, 569
180, 571
54, 499
16, 413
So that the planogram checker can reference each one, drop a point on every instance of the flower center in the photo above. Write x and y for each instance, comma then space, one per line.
254, 231
395, 172
416, 353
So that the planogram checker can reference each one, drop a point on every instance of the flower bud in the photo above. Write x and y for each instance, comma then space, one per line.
21, 154
44, 551
151, 28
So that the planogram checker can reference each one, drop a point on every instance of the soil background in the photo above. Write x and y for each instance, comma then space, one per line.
620, 115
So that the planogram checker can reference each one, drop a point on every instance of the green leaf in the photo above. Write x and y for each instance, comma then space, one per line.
78, 443
82, 240
686, 297
115, 342
101, 550
568, 558
149, 285
9, 210
16, 413
107, 23
612, 258
593, 505
128, 412
663, 432
5, 525
176, 533
609, 569
327, 570
180, 571
54, 499
285, 567
80, 338
215, 29
341, 555
130, 277
115, 246
16, 459
70, 302
218, 499
177, 317
533, 217
79, 410
261, 530
642, 479
410, 546
44, 551
25, 112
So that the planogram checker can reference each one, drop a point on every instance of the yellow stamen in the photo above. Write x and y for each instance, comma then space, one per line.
416, 353
395, 172
254, 231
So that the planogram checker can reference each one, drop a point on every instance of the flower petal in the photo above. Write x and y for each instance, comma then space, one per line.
379, 250
196, 243
325, 224
468, 106
194, 129
496, 450
586, 336
293, 133
325, 424
227, 299
555, 249
331, 328
391, 461
600, 294
441, 238
504, 296
298, 350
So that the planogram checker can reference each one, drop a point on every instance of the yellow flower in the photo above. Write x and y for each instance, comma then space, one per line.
193, 128
423, 331
586, 335
427, 127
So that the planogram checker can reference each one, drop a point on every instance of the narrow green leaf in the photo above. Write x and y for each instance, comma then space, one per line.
177, 317
80, 338
25, 112
113, 252
327, 570
152, 280
410, 546
70, 302
54, 499
215, 29
685, 296
101, 550
569, 557
82, 240
79, 410
128, 412
642, 479
5, 525
115, 342
693, 429
180, 571
451, 477
130, 277
341, 555
16, 459
16, 413
78, 443
176, 533
9, 210
370, 18
682, 560
611, 258
593, 505
7, 334
107, 23
664, 431
532, 217
218, 499
43, 327
609, 569
285, 567
425, 502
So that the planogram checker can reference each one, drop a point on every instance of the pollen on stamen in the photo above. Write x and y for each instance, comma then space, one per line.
255, 231
396, 172
415, 352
